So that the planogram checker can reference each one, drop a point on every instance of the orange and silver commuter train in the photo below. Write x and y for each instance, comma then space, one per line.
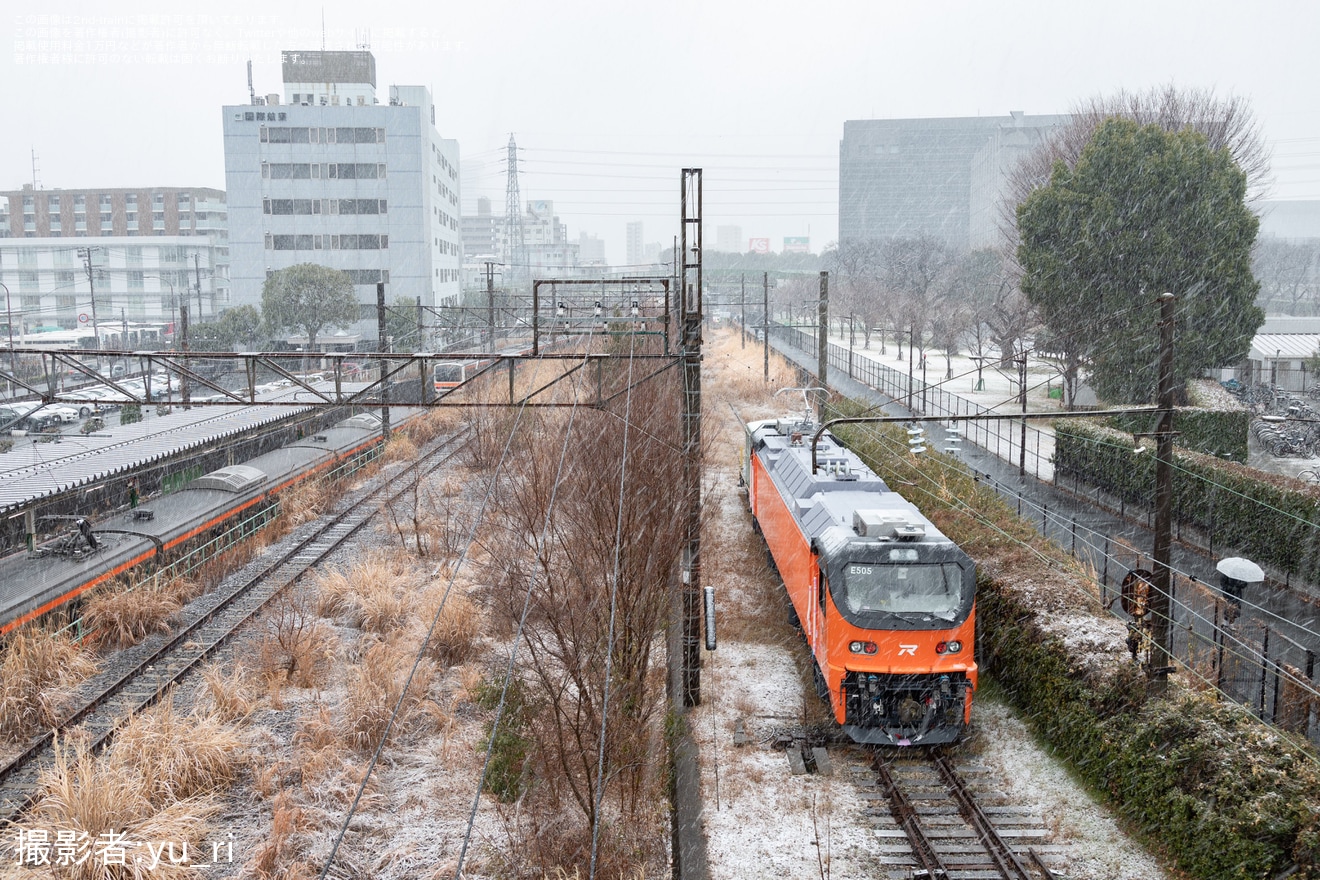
886, 602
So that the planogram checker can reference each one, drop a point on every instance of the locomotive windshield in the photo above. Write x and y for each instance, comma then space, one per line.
924, 589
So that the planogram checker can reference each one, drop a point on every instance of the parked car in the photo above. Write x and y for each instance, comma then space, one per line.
65, 414
25, 417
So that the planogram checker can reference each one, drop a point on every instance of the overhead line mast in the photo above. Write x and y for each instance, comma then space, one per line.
515, 245
689, 298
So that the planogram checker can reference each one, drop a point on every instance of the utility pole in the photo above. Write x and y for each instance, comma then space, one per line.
490, 301
1022, 396
183, 332
912, 345
1161, 596
197, 270
383, 347
86, 254
421, 327
765, 321
428, 383
823, 338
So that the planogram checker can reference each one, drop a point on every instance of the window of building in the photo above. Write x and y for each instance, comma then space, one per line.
105, 201
285, 135
134, 280
132, 256
54, 204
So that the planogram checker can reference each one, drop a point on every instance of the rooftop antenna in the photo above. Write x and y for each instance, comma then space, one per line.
252, 93
322, 28
36, 182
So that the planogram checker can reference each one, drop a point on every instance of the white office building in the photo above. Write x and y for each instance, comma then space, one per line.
149, 250
330, 175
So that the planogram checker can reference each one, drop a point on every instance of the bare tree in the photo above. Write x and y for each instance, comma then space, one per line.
595, 583
912, 271
857, 265
1289, 275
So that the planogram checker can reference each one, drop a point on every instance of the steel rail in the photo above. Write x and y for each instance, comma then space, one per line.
1005, 861
184, 650
906, 816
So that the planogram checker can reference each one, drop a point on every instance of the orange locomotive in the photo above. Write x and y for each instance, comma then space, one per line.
886, 602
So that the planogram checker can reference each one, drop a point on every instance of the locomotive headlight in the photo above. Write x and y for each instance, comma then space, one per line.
855, 647
951, 647
863, 647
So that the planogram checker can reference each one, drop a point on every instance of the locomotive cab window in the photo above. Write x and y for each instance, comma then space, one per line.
934, 589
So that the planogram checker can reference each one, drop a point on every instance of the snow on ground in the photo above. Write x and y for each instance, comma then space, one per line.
1096, 848
761, 821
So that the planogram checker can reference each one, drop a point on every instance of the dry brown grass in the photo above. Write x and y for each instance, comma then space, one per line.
280, 854
400, 447
296, 648
228, 692
38, 671
372, 593
739, 373
424, 429
81, 794
319, 748
179, 755
305, 502
373, 690
454, 639
121, 617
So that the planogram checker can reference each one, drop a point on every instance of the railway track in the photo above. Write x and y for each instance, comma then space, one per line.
205, 629
950, 834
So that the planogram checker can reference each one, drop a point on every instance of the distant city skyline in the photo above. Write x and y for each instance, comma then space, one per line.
140, 108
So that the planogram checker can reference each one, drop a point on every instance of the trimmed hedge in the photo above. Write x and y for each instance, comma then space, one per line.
1273, 520
1220, 793
1216, 423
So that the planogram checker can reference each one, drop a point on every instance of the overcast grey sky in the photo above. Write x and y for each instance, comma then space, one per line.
609, 100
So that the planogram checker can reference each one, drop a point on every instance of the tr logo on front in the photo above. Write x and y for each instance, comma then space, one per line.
910, 650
